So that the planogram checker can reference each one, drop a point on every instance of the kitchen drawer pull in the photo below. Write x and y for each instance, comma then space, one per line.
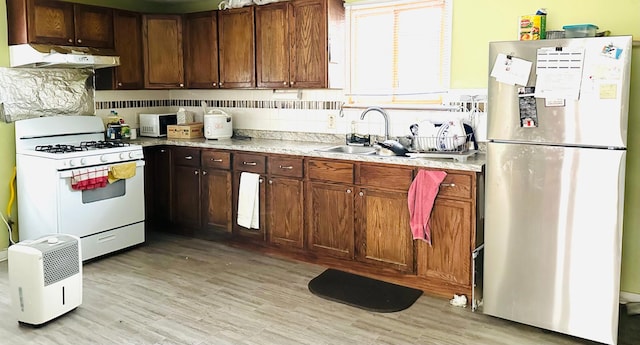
288, 167
448, 184
217, 160
250, 163
188, 157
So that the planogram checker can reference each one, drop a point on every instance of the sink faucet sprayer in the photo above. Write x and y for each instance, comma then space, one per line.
384, 114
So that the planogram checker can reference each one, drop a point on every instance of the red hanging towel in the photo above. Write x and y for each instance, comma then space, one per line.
89, 178
422, 194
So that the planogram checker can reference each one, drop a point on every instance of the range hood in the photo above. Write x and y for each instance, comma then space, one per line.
50, 56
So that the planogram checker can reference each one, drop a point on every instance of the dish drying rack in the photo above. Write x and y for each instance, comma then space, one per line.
456, 147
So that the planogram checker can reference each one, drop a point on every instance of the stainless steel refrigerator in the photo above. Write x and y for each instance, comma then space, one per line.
555, 179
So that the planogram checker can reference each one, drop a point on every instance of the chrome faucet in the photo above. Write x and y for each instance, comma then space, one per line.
384, 114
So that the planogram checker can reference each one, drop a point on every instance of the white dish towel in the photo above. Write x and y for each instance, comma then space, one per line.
249, 201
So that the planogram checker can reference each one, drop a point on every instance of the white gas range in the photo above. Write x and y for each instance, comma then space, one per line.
64, 183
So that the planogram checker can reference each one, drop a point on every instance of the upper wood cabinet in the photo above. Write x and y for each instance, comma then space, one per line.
59, 22
127, 30
272, 45
292, 44
201, 50
162, 51
237, 48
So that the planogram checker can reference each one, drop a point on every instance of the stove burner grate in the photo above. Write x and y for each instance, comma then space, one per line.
58, 148
102, 144
83, 146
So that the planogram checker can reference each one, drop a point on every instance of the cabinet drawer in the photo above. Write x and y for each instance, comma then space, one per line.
216, 159
187, 156
386, 177
285, 166
456, 185
249, 162
321, 170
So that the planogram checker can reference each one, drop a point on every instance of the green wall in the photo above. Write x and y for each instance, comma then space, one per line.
475, 23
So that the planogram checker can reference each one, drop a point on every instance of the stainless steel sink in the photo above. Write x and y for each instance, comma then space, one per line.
356, 150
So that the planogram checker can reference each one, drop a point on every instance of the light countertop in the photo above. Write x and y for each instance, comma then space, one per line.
309, 149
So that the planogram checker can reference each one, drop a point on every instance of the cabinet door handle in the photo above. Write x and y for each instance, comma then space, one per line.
204, 172
260, 180
79, 41
181, 85
195, 172
119, 84
70, 40
188, 158
163, 151
448, 184
348, 191
217, 160
285, 83
215, 84
361, 193
291, 83
270, 182
250, 163
287, 167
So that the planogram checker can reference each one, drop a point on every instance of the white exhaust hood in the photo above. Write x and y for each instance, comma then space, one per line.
50, 56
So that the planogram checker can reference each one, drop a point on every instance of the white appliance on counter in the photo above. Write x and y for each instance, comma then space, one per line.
45, 278
217, 125
52, 154
555, 179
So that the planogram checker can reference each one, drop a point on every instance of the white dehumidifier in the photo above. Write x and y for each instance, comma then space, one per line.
45, 277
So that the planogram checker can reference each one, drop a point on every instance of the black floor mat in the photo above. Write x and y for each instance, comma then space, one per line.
363, 292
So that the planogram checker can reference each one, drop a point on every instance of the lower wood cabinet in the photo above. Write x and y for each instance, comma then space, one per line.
330, 208
216, 193
344, 214
257, 164
157, 181
186, 187
285, 202
447, 263
330, 219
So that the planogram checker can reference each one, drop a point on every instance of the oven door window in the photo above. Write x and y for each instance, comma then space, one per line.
111, 190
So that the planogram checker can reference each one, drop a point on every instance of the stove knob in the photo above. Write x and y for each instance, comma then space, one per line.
72, 162
132, 155
123, 156
83, 161
103, 158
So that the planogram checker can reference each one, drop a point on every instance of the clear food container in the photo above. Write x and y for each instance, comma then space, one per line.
580, 30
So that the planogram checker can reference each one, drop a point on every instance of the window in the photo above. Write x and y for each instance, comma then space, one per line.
399, 51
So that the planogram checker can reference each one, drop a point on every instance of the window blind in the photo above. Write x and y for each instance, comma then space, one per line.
398, 51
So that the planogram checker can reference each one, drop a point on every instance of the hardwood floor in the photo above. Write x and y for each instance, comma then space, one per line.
175, 290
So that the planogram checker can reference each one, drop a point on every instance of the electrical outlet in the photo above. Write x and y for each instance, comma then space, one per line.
331, 121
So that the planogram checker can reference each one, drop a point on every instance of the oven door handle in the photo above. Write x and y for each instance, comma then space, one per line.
69, 173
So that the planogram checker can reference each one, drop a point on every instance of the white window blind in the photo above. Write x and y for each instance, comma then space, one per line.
399, 51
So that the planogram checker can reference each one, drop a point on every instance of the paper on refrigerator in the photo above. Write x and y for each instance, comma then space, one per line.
511, 70
559, 72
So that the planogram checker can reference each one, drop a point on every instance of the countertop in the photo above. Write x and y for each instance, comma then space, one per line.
308, 149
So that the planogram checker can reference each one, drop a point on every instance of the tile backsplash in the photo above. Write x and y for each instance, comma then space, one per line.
313, 111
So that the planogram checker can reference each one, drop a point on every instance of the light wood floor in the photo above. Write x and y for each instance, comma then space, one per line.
175, 290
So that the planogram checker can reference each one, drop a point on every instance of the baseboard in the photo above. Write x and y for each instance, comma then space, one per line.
628, 297
3, 255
